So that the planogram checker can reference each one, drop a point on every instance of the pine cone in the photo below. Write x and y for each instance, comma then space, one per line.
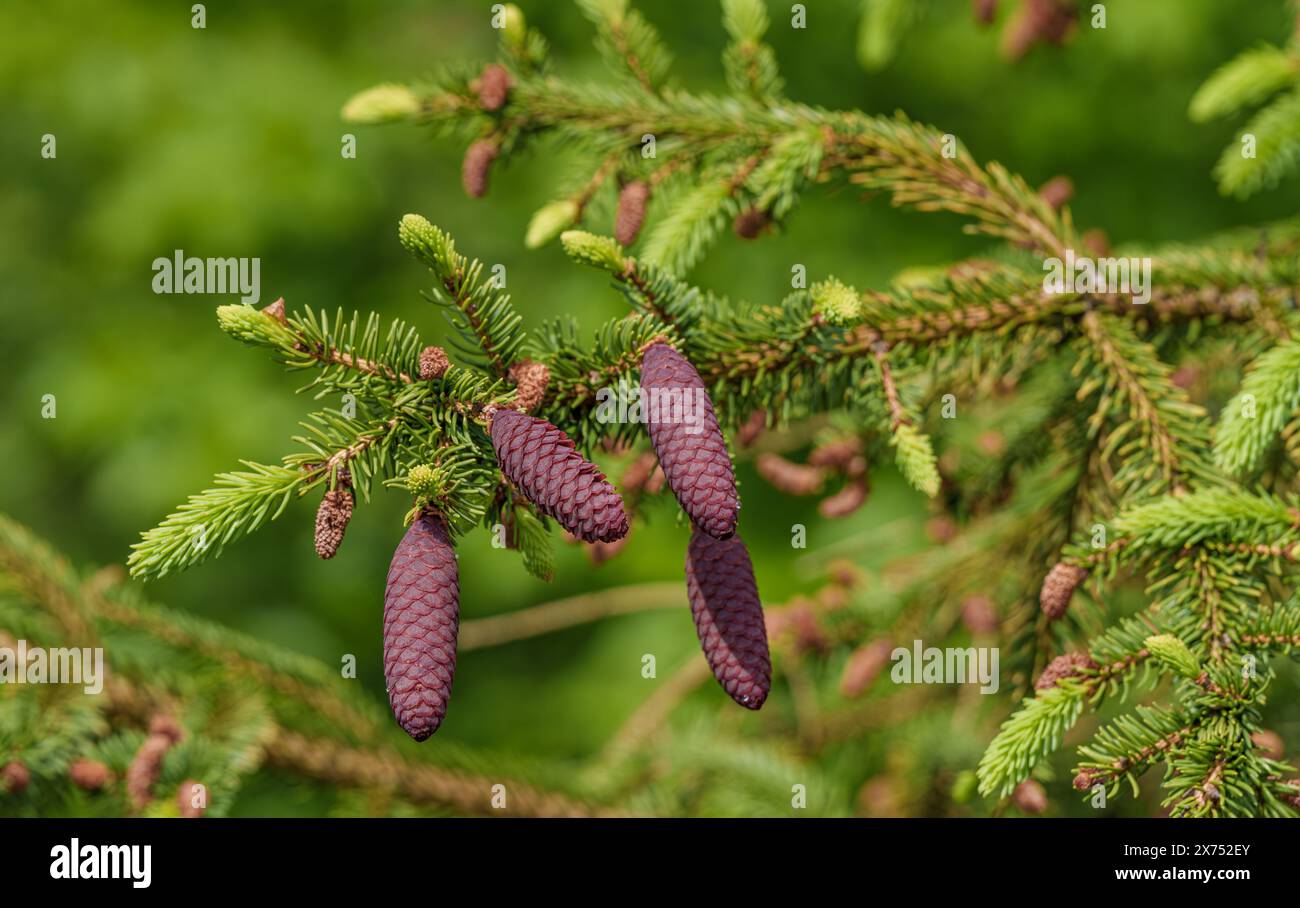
755, 425
836, 455
421, 619
695, 462
15, 778
1057, 191
89, 775
1058, 588
433, 363
530, 380
864, 666
846, 501
789, 477
144, 770
1068, 665
474, 169
729, 616
542, 461
185, 800
979, 615
750, 223
493, 87
632, 200
1030, 797
332, 521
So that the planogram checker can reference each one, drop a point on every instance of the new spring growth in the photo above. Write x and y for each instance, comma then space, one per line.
514, 29
253, 326
549, 221
598, 251
1174, 654
836, 302
382, 104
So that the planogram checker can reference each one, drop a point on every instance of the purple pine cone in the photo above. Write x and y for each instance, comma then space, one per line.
729, 617
686, 437
542, 461
421, 618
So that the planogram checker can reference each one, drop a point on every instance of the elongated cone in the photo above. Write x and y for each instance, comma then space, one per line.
421, 618
542, 461
685, 434
729, 617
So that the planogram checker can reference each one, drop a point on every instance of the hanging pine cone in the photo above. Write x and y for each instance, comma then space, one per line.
846, 501
1058, 588
89, 775
493, 87
632, 200
693, 454
421, 619
729, 616
789, 477
474, 169
542, 461
332, 521
145, 768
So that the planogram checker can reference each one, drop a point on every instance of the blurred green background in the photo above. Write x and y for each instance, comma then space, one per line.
225, 141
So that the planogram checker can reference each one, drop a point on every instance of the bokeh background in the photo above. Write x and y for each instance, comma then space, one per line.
226, 142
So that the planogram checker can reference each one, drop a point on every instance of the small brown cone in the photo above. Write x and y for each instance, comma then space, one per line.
530, 380
1057, 191
187, 794
839, 454
632, 201
750, 223
276, 311
1058, 588
1030, 797
1269, 743
1068, 665
789, 477
979, 615
332, 521
729, 616
494, 87
14, 778
433, 363
476, 166
755, 425
985, 11
145, 768
846, 501
89, 775
864, 666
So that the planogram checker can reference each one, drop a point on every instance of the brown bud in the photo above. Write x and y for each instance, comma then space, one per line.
90, 775
276, 311
189, 792
1057, 191
1068, 665
846, 501
632, 201
1030, 797
14, 778
433, 363
836, 455
493, 87
865, 663
1058, 588
332, 521
1096, 242
979, 615
477, 163
753, 427
530, 380
1270, 742
1087, 778
750, 223
787, 476
985, 11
